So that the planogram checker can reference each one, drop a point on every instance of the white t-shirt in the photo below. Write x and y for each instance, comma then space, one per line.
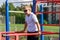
30, 20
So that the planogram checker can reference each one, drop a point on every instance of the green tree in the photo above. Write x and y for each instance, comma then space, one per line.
11, 8
0, 9
3, 9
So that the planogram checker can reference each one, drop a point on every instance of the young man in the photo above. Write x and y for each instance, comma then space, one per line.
31, 23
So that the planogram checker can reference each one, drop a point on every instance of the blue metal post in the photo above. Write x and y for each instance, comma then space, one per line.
34, 6
41, 16
41, 21
7, 19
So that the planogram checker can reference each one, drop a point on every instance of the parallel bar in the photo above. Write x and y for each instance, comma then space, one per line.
48, 12
48, 1
31, 34
2, 2
17, 11
51, 25
7, 32
53, 6
22, 2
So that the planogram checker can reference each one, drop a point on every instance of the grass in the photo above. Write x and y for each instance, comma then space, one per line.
19, 27
51, 28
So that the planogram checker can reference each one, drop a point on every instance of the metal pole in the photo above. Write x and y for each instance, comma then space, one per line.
41, 21
59, 23
7, 19
34, 6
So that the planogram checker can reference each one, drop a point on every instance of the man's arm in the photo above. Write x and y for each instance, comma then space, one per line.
25, 27
24, 30
38, 26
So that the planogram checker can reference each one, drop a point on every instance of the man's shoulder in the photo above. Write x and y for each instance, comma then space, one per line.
32, 14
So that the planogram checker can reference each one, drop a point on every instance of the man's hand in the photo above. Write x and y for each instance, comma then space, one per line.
19, 31
25, 31
39, 33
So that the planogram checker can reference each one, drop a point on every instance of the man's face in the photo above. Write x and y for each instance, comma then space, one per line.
26, 11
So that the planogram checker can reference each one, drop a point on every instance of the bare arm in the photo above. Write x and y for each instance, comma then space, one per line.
38, 26
25, 26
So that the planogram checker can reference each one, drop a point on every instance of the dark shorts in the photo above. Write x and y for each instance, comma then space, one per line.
34, 37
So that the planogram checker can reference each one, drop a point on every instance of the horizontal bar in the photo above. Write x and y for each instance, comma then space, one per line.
58, 3
18, 2
47, 1
24, 34
36, 12
2, 2
7, 32
21, 2
51, 25
53, 6
48, 12
16, 11
30, 34
49, 33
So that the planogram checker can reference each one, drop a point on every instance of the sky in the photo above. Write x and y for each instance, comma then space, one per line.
14, 0
1, 1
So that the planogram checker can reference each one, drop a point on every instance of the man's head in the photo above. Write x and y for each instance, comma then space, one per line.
27, 10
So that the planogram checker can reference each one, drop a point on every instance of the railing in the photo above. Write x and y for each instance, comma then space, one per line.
24, 34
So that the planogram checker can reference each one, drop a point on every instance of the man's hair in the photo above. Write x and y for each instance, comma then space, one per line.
27, 6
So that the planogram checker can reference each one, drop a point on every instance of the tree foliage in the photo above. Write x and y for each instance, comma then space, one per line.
19, 17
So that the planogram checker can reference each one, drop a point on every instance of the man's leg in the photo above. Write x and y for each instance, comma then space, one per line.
32, 38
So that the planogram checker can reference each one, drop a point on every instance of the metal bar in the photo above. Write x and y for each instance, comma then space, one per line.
48, 12
7, 19
41, 21
31, 34
47, 1
0, 36
34, 6
51, 25
22, 2
17, 37
53, 6
17, 11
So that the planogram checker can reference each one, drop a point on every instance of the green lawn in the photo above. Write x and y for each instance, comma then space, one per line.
19, 27
13, 27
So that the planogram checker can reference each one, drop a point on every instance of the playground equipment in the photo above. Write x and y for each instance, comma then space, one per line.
25, 34
35, 2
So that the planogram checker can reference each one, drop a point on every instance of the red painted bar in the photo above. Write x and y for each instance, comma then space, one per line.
25, 34
48, 12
